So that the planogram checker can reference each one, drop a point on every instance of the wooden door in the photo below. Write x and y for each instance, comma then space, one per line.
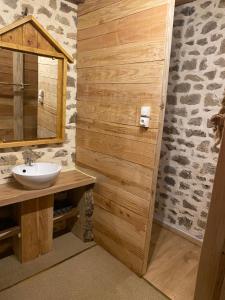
123, 59
211, 273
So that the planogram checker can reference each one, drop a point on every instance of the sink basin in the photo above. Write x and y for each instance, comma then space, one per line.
37, 176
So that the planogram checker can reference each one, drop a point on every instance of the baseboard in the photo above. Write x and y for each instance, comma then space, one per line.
179, 232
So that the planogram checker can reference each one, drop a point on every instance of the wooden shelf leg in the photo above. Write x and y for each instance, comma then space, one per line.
36, 223
28, 243
46, 223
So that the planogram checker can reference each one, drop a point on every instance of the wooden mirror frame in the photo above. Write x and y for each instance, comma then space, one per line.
28, 36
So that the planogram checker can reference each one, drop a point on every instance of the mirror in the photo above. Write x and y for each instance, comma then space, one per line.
29, 96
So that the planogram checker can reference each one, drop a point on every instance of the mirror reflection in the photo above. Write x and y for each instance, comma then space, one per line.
28, 96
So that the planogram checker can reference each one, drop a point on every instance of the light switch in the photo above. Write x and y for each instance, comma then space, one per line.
145, 116
145, 111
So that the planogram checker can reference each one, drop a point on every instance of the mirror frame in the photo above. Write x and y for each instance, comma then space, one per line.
8, 40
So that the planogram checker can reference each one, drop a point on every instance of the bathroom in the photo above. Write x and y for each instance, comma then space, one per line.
109, 165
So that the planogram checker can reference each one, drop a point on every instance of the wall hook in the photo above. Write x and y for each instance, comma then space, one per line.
24, 13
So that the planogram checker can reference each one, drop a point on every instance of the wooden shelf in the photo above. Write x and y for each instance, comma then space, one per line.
67, 215
34, 213
9, 232
14, 193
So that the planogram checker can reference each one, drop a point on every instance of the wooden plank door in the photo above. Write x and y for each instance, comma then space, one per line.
211, 273
123, 60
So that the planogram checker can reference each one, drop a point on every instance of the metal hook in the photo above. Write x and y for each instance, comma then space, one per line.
25, 12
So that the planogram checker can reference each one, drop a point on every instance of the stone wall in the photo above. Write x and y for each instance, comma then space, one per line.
59, 18
196, 87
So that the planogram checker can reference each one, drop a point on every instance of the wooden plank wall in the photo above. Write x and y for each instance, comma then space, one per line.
122, 64
47, 111
30, 96
7, 94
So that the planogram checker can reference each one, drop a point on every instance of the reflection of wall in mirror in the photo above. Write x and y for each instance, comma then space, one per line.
6, 95
30, 96
47, 97
9, 96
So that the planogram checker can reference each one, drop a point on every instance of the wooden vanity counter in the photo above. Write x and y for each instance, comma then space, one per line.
33, 212
13, 192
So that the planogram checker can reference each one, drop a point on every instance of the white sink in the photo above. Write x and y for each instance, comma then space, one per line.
37, 176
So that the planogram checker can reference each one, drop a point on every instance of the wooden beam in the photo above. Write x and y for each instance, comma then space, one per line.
13, 193
7, 233
211, 273
36, 227
181, 2
45, 210
68, 215
18, 95
29, 223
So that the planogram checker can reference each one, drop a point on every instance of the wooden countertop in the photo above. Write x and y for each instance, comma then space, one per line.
13, 192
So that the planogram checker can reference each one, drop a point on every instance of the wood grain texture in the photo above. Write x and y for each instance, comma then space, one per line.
24, 33
30, 36
122, 26
123, 114
211, 272
180, 233
48, 72
27, 35
127, 73
116, 11
121, 93
87, 6
124, 54
125, 30
131, 151
13, 36
18, 75
129, 132
119, 230
168, 42
121, 212
68, 215
29, 224
15, 193
36, 226
7, 233
122, 65
138, 184
122, 196
222, 294
18, 106
45, 212
174, 264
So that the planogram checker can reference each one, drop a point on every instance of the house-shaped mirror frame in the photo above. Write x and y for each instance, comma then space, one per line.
27, 35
